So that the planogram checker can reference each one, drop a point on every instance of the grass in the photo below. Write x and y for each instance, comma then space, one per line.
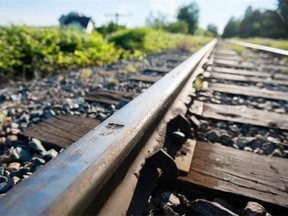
147, 41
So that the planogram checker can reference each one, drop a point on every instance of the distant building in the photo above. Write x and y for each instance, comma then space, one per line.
80, 21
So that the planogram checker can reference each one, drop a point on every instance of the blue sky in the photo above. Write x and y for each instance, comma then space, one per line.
47, 12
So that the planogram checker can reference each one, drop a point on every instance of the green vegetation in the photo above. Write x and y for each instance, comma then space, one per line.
109, 28
198, 84
260, 23
147, 40
177, 27
27, 52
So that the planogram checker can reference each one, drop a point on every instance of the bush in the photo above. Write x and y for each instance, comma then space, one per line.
148, 40
177, 27
25, 50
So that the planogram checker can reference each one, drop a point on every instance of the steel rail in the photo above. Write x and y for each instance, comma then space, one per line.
260, 47
69, 183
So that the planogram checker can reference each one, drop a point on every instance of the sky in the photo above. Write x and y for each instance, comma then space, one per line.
47, 12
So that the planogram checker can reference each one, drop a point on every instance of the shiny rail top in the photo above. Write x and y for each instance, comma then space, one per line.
67, 184
260, 47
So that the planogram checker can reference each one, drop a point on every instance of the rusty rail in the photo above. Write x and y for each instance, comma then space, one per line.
71, 181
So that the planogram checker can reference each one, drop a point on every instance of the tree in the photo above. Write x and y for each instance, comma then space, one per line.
110, 28
190, 14
251, 24
213, 29
177, 27
283, 12
260, 23
232, 28
272, 26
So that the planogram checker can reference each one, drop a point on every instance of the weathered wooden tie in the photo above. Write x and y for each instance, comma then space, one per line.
157, 70
248, 91
260, 73
239, 172
145, 78
110, 97
235, 64
242, 78
240, 114
61, 131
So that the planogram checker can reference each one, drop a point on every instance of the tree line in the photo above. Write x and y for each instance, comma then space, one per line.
260, 23
187, 20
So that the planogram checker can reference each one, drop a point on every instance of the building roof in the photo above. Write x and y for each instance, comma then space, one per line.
82, 20
75, 17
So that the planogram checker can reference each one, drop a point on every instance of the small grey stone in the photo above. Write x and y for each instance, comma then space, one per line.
16, 179
2, 140
168, 211
268, 148
170, 199
204, 125
258, 151
225, 139
12, 138
14, 131
75, 106
183, 201
16, 98
277, 152
213, 136
29, 166
36, 113
234, 128
2, 169
36, 120
255, 144
247, 148
20, 173
273, 140
48, 114
57, 107
213, 100
38, 161
52, 153
24, 125
37, 146
14, 125
254, 209
15, 166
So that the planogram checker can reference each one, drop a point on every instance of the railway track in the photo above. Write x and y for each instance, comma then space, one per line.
208, 138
